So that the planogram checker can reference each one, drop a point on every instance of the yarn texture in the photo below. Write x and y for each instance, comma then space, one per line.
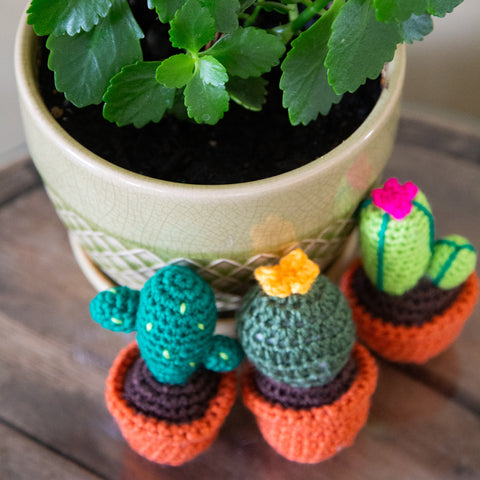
174, 403
302, 340
301, 398
159, 440
396, 252
415, 307
315, 434
417, 344
174, 316
453, 260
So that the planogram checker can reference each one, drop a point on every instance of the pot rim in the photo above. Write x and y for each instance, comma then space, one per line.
27, 88
418, 343
361, 389
195, 431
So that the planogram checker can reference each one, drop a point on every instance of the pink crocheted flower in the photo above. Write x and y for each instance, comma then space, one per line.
394, 198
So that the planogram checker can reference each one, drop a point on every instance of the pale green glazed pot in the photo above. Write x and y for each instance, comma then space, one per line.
131, 225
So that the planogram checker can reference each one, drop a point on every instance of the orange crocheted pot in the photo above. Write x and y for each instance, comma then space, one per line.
415, 344
315, 434
159, 440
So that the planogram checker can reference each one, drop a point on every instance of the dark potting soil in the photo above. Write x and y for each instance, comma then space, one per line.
243, 146
414, 308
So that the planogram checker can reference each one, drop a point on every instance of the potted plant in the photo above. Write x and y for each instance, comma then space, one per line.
309, 384
169, 394
218, 53
410, 295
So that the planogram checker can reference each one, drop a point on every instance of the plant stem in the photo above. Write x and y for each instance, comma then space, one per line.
251, 20
315, 8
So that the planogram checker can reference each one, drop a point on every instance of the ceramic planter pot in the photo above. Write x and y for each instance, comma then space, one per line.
315, 434
416, 344
158, 440
131, 225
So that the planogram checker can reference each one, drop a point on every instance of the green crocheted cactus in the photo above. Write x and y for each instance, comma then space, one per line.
397, 236
302, 339
453, 261
174, 316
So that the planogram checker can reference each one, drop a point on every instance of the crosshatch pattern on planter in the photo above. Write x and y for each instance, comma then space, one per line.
134, 266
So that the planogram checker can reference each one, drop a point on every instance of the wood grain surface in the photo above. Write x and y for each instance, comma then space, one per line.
424, 422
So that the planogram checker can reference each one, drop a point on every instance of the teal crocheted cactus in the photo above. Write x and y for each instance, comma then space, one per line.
453, 260
397, 236
174, 316
294, 334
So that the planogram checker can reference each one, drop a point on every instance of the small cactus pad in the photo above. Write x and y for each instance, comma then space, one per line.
174, 317
303, 340
116, 309
396, 251
453, 260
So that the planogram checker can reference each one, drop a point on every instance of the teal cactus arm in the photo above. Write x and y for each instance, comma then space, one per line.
116, 309
397, 237
454, 259
224, 355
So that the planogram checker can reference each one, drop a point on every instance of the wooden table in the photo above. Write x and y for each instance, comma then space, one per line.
424, 421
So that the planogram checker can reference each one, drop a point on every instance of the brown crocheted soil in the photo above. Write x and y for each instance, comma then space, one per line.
243, 146
414, 308
174, 403
304, 398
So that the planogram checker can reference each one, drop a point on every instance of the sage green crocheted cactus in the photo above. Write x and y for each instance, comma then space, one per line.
295, 332
174, 316
453, 260
397, 236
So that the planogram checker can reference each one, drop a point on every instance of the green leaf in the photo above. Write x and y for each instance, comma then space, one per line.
212, 71
248, 92
135, 97
193, 27
85, 63
244, 4
206, 98
59, 17
225, 13
398, 11
166, 9
304, 82
440, 8
416, 27
359, 46
176, 71
248, 52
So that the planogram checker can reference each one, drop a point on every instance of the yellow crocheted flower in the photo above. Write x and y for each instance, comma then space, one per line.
294, 274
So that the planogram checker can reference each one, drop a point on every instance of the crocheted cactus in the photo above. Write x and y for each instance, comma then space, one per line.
174, 316
397, 236
453, 260
297, 326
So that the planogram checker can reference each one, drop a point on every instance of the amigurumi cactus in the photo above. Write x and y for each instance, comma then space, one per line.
174, 316
398, 242
397, 236
296, 327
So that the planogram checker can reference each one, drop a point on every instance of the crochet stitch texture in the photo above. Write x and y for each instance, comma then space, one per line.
419, 343
303, 340
174, 403
174, 317
396, 253
315, 434
160, 440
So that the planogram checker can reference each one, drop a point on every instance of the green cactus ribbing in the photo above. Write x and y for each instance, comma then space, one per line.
303, 340
453, 260
174, 316
396, 253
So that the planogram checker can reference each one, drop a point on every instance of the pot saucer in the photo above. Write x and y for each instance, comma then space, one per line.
225, 303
